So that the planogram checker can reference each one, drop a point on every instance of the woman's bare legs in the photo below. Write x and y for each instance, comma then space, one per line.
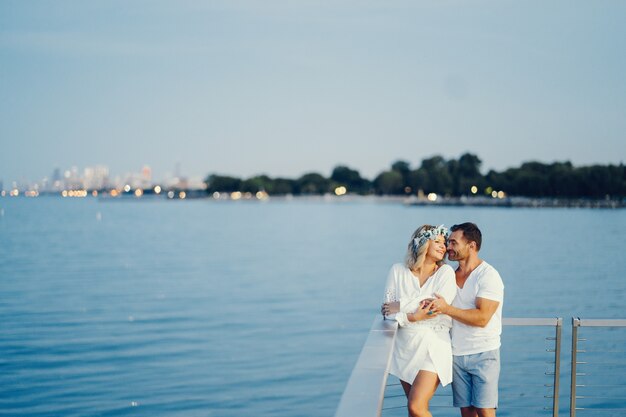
420, 392
406, 387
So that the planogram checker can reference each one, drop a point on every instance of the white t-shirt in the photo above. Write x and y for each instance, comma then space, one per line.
483, 282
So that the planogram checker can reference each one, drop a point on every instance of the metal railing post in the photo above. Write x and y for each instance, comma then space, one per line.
572, 398
557, 367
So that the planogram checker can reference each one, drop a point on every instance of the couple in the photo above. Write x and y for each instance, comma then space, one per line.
449, 321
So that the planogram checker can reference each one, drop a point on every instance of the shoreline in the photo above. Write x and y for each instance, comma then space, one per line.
464, 201
523, 202
412, 201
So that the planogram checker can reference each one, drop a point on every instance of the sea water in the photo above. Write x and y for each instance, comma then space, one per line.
224, 308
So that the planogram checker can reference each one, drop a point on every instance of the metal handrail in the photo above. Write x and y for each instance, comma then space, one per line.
515, 321
576, 324
557, 323
599, 322
365, 391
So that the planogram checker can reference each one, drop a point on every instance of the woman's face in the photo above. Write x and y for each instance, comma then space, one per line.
437, 248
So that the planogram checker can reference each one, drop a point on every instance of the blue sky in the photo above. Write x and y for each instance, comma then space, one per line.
289, 87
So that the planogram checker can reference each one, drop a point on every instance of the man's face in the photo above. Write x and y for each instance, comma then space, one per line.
458, 246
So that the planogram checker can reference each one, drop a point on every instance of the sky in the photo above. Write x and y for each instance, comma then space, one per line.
285, 88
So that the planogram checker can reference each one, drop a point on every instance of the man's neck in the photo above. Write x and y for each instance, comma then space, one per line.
466, 266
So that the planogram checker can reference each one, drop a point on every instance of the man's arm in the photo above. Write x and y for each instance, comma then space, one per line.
478, 316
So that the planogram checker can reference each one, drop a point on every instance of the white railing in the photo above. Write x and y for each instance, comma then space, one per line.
365, 392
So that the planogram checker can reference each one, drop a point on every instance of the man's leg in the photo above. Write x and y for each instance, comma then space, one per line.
468, 412
486, 372
486, 412
462, 387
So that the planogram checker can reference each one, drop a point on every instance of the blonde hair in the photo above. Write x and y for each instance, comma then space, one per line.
415, 254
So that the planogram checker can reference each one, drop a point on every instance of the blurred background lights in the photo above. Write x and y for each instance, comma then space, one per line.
340, 190
432, 197
74, 193
474, 189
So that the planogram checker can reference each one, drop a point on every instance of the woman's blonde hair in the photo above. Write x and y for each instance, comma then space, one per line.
416, 254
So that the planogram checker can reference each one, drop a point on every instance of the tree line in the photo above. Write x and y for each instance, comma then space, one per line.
452, 177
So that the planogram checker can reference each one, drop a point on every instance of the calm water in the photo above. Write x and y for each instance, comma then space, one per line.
202, 308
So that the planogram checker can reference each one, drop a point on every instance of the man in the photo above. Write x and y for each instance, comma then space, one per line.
477, 324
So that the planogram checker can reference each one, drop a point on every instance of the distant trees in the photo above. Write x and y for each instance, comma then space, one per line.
454, 177
222, 183
389, 182
351, 179
465, 174
561, 179
313, 183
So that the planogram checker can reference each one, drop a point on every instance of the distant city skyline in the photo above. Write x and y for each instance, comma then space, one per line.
98, 177
281, 88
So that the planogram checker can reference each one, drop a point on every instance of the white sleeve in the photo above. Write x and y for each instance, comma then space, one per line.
490, 286
390, 286
402, 319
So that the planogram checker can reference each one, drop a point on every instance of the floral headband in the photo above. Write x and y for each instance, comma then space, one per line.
430, 234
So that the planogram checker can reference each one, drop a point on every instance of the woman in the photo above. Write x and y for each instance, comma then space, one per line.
422, 356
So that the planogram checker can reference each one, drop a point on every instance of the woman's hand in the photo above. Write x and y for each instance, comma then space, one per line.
425, 303
390, 308
422, 313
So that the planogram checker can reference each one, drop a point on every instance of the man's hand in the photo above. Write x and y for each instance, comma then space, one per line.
439, 305
479, 316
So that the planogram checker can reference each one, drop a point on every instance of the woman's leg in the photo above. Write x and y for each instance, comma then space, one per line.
422, 390
406, 387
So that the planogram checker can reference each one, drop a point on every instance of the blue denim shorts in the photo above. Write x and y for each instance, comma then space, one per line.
475, 379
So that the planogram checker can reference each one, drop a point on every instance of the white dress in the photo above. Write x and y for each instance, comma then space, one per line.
423, 344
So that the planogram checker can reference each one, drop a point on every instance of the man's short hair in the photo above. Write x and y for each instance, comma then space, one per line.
471, 232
